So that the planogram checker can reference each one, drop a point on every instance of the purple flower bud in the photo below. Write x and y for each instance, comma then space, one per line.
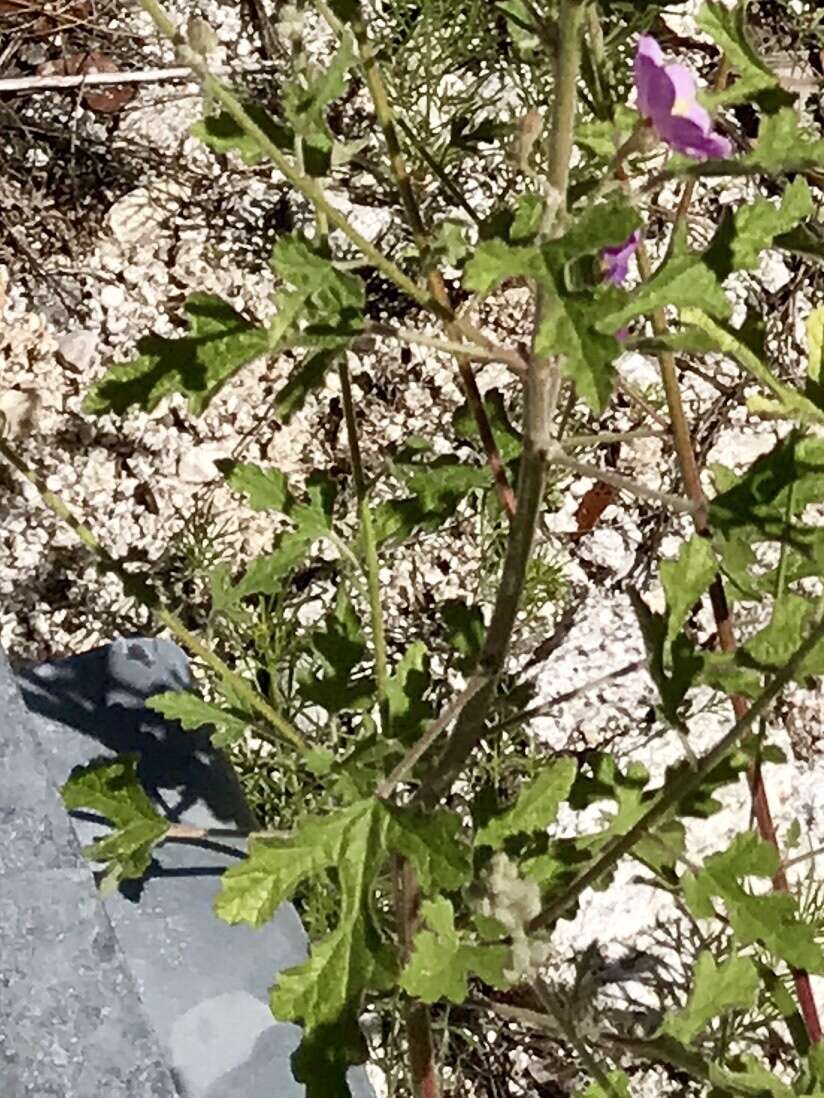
616, 259
667, 98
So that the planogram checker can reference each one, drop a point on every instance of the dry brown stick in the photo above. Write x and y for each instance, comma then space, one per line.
37, 84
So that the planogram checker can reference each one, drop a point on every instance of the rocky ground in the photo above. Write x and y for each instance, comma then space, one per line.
125, 214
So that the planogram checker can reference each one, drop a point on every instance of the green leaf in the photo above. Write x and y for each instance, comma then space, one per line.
219, 343
324, 309
308, 375
684, 281
507, 437
311, 518
772, 647
750, 1078
442, 960
325, 993
433, 842
112, 788
495, 261
674, 667
252, 891
438, 488
727, 26
305, 103
342, 648
571, 329
331, 291
264, 489
223, 134
409, 714
570, 325
464, 630
618, 1087
536, 807
806, 240
789, 403
741, 237
716, 990
194, 713
767, 504
599, 226
783, 146
776, 489
685, 580
773, 919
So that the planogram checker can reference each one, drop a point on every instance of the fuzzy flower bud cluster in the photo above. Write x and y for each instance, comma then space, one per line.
514, 901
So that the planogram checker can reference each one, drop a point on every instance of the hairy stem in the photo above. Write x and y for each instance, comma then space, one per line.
624, 484
451, 347
722, 613
416, 753
370, 547
541, 392
139, 589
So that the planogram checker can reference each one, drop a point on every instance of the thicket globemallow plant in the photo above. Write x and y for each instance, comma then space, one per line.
667, 98
431, 836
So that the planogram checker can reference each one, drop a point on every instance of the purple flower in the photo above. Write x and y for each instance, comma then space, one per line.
667, 98
616, 259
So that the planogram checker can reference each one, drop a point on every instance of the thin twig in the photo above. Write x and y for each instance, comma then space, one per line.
606, 438
629, 390
548, 707
510, 358
584, 469
410, 760
370, 549
47, 83
182, 832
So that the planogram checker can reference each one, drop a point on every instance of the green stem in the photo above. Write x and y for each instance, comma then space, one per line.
138, 589
307, 186
540, 397
370, 547
606, 438
437, 286
678, 504
452, 347
784, 558
687, 783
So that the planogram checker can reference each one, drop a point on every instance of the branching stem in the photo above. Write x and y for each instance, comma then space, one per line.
541, 393
686, 783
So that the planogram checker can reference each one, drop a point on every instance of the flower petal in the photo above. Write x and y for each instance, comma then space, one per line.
651, 85
684, 88
689, 136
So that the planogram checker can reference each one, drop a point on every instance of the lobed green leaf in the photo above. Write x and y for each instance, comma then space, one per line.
112, 788
219, 343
